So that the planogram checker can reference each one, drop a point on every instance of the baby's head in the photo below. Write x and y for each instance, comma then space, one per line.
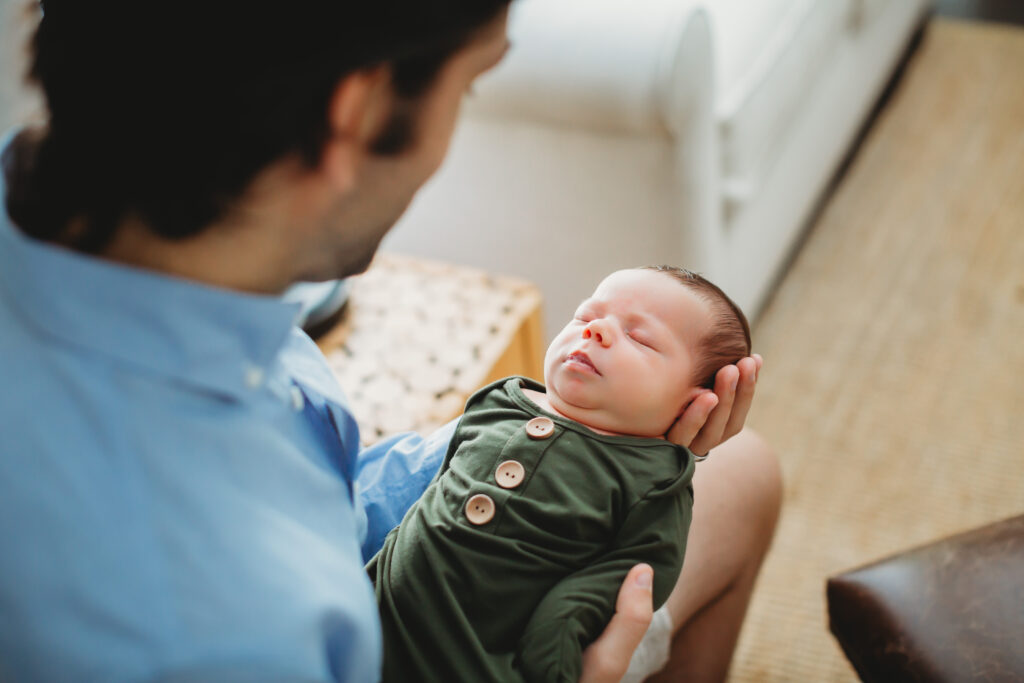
645, 344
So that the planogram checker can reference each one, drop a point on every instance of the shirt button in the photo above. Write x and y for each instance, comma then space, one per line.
509, 474
298, 401
480, 509
254, 377
540, 427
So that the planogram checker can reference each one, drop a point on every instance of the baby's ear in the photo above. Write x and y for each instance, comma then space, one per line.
689, 397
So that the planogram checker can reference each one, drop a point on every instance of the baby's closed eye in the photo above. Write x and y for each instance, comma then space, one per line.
640, 338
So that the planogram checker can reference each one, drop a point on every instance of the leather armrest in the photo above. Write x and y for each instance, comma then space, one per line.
952, 610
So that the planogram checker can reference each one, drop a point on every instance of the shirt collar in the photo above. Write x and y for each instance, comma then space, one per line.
219, 339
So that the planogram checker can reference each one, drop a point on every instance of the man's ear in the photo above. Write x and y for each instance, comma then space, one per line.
357, 110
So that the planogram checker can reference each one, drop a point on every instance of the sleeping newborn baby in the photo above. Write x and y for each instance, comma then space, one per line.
510, 563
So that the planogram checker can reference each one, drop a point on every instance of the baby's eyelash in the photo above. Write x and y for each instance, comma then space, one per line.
639, 340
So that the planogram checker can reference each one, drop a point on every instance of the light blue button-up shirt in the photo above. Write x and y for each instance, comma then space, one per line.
177, 469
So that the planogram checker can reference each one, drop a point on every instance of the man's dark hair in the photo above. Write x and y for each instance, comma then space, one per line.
728, 339
166, 111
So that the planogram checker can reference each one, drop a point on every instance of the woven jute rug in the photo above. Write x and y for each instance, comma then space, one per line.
894, 381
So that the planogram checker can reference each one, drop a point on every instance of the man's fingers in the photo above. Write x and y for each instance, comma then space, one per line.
726, 383
634, 604
607, 658
689, 424
748, 368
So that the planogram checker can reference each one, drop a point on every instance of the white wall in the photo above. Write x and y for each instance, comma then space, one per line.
17, 102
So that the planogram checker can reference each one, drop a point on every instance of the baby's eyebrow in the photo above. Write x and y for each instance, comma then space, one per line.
652, 324
636, 317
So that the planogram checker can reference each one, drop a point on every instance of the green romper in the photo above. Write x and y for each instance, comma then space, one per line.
504, 571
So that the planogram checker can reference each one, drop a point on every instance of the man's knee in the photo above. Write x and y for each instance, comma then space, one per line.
766, 469
757, 475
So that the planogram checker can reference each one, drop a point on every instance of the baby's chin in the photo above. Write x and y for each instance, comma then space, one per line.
602, 420
566, 409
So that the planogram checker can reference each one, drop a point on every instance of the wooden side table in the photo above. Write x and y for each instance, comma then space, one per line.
418, 337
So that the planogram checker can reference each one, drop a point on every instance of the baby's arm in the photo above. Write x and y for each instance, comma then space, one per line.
578, 608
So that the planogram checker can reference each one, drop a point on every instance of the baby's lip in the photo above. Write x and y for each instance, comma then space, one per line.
581, 357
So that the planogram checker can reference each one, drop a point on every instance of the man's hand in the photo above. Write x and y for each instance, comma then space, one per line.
606, 659
715, 416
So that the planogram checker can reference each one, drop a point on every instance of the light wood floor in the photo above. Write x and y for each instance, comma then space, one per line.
894, 379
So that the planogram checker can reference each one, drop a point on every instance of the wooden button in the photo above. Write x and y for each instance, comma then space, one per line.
509, 474
480, 509
540, 427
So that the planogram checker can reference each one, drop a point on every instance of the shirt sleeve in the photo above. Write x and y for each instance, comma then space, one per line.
392, 474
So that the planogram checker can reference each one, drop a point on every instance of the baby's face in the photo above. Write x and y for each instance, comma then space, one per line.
624, 364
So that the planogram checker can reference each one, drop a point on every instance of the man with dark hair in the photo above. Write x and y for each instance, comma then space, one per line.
182, 494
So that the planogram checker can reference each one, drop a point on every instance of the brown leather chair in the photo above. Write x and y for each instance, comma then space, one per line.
952, 610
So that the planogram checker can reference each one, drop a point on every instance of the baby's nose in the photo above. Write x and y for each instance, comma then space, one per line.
592, 332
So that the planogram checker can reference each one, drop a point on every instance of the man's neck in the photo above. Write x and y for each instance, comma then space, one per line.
214, 257
255, 248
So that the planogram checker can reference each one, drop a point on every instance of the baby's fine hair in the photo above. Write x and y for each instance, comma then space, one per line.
728, 339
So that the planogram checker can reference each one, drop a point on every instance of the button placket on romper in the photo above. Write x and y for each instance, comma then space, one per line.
519, 459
